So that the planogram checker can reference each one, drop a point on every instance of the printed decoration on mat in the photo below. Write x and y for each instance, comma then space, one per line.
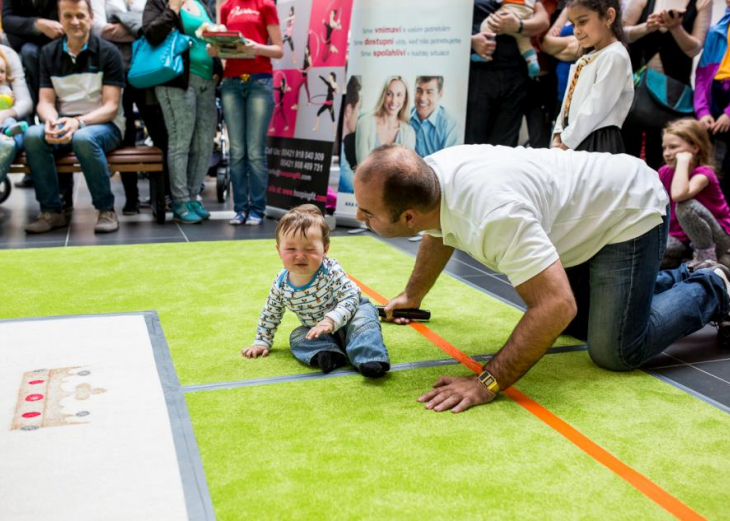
54, 398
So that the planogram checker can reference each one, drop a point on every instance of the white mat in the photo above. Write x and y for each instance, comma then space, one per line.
84, 428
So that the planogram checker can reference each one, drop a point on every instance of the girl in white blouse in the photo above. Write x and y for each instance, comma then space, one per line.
600, 87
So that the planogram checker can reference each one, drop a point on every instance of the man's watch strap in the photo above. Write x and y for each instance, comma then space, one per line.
81, 121
488, 381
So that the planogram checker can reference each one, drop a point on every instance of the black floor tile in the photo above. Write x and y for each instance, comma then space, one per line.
721, 369
698, 381
39, 243
220, 230
460, 269
471, 261
697, 347
84, 220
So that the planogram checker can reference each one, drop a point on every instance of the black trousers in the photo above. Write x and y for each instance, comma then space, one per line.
495, 105
154, 122
632, 136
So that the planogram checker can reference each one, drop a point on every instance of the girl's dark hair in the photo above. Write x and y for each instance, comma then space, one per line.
334, 76
601, 7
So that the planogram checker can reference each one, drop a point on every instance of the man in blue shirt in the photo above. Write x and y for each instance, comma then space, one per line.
435, 127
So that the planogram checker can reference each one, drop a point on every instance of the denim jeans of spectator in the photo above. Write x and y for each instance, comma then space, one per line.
629, 311
495, 105
190, 118
247, 109
90, 144
9, 147
361, 339
30, 55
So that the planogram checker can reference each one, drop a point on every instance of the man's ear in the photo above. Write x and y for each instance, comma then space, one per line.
410, 218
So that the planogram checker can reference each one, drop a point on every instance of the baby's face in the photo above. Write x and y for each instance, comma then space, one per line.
302, 255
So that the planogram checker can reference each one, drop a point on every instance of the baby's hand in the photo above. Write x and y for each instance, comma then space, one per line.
255, 351
326, 325
684, 156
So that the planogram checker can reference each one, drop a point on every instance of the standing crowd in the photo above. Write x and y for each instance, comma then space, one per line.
66, 69
615, 77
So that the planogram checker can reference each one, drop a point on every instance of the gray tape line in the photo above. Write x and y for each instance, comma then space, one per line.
345, 372
195, 487
688, 390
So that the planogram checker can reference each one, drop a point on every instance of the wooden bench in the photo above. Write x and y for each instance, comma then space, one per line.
129, 159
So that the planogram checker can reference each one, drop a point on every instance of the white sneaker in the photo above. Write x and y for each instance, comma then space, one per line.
238, 219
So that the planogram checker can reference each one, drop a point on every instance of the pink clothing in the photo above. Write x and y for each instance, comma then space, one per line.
711, 198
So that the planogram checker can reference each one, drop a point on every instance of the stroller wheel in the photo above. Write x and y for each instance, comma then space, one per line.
223, 183
5, 188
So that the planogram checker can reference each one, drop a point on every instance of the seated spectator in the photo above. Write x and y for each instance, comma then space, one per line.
82, 77
187, 102
29, 25
700, 220
12, 79
435, 127
388, 122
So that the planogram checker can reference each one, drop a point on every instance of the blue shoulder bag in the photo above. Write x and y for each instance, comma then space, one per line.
153, 66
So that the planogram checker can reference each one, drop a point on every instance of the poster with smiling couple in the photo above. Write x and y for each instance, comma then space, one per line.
407, 82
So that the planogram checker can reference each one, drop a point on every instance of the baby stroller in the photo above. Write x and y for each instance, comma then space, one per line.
219, 167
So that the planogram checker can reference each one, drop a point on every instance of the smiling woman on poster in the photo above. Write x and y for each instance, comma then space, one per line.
388, 123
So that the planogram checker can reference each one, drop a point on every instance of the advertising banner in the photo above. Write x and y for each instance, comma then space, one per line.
308, 85
407, 82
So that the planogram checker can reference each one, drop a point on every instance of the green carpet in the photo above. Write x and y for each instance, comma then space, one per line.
356, 449
347, 448
209, 296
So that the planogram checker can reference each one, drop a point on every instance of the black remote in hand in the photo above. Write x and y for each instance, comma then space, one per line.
412, 314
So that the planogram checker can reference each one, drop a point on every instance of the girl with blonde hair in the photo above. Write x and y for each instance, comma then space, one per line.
700, 220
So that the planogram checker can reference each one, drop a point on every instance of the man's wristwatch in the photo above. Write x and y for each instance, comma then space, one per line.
488, 381
82, 123
522, 26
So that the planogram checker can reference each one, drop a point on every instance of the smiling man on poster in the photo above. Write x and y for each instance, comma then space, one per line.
435, 128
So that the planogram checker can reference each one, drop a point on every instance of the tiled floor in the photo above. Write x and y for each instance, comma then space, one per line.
694, 364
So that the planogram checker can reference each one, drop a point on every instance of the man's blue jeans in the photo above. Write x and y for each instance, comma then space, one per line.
90, 144
361, 339
629, 311
247, 108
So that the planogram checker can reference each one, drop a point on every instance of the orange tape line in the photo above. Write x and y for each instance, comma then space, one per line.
640, 482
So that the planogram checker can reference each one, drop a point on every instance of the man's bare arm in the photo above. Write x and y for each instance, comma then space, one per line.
550, 308
430, 262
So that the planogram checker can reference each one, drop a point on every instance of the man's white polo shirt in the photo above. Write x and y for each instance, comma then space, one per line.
517, 210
